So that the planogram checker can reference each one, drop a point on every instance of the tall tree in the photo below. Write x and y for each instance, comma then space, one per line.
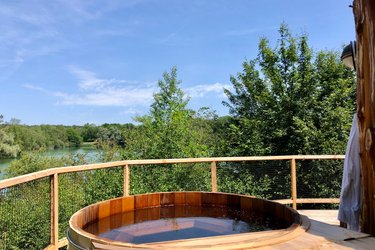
291, 101
167, 132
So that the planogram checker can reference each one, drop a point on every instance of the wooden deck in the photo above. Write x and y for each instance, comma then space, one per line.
326, 216
324, 233
327, 237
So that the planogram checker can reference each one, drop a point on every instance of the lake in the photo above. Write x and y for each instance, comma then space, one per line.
90, 152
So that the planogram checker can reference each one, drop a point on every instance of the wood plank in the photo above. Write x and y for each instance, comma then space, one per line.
326, 216
50, 247
54, 210
179, 198
115, 206
193, 199
213, 177
364, 15
294, 182
166, 199
333, 233
104, 209
319, 200
128, 204
309, 200
153, 200
126, 180
60, 170
284, 201
140, 201
63, 242
220, 199
367, 243
246, 203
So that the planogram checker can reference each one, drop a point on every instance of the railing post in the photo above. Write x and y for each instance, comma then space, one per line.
54, 210
213, 177
294, 182
126, 180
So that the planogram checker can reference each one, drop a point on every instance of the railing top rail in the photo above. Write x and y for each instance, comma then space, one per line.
60, 170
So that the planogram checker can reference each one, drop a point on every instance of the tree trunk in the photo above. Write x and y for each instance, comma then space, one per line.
364, 15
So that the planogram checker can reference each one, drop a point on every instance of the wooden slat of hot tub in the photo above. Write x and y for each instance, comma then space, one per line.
153, 200
128, 204
104, 209
140, 201
167, 199
193, 199
179, 198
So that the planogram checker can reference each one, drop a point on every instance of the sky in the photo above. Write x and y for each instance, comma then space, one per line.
73, 62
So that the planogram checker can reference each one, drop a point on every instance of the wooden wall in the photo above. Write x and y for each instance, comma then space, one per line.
364, 15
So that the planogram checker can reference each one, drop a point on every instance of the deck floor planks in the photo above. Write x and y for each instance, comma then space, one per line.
326, 237
326, 216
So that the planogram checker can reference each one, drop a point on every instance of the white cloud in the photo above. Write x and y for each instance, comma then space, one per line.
30, 86
88, 79
202, 90
127, 97
130, 111
94, 91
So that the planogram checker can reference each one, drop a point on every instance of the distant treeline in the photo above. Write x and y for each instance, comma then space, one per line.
21, 138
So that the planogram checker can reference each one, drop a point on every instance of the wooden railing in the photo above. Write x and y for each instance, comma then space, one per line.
53, 174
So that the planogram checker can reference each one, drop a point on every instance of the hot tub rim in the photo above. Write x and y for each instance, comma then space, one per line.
270, 237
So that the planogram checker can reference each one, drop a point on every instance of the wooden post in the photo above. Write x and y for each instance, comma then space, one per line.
213, 177
126, 180
54, 210
364, 15
293, 174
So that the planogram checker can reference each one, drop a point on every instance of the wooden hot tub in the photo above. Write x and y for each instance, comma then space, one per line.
146, 221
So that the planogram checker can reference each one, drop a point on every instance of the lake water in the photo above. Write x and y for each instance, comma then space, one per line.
90, 152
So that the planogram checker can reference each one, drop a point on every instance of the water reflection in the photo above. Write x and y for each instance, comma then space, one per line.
175, 222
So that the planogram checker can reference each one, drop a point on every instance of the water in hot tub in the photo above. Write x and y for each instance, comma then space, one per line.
176, 222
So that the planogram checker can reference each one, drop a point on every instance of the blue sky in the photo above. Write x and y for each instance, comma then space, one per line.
76, 62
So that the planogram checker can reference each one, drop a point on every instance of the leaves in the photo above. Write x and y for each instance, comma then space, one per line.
291, 100
168, 130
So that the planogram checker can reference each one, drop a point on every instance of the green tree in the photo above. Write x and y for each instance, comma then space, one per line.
291, 101
8, 147
74, 137
111, 134
89, 132
167, 132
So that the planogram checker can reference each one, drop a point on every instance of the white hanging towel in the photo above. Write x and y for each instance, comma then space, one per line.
351, 193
